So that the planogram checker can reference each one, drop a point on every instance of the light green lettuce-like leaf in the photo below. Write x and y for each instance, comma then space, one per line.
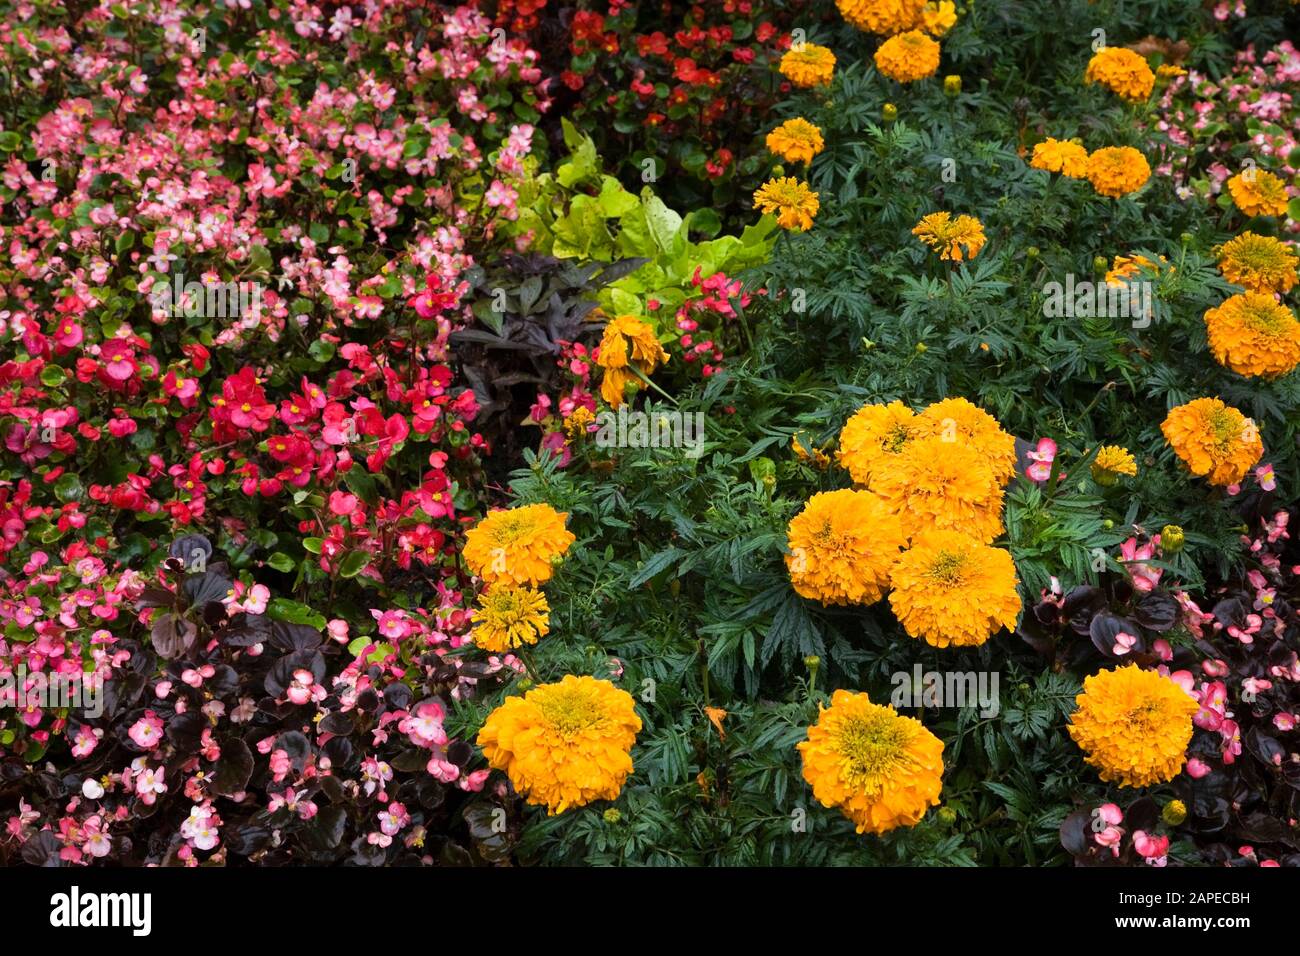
582, 233
615, 201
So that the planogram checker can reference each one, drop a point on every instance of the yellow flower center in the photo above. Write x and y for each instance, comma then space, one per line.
1264, 319
896, 439
948, 567
1224, 426
570, 711
873, 746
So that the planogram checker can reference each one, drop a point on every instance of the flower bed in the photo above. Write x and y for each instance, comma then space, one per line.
764, 433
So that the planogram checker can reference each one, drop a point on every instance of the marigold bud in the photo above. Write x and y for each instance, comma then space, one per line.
1171, 539
1175, 812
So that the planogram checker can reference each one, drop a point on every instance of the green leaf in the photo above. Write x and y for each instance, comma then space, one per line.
362, 484
281, 562
291, 612
353, 563
653, 565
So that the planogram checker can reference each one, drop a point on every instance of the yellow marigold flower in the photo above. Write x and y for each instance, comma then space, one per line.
958, 420
1115, 171
881, 769
1110, 462
627, 343
517, 545
908, 57
817, 457
796, 141
1061, 156
1213, 440
842, 545
882, 17
1133, 725
947, 236
509, 616
793, 203
575, 426
1122, 72
872, 435
807, 65
948, 486
938, 18
1124, 268
1254, 334
1260, 263
1167, 71
950, 590
564, 745
1258, 193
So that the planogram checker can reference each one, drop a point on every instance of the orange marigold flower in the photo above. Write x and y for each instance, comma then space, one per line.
1213, 440
807, 65
627, 344
872, 435
951, 590
1258, 193
1115, 171
1121, 71
1260, 263
937, 484
908, 57
938, 18
1254, 334
796, 141
882, 17
958, 420
948, 236
842, 546
564, 745
1061, 156
517, 545
1133, 725
882, 770
1123, 268
790, 200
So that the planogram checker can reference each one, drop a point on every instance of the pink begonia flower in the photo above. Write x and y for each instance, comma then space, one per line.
149, 785
1123, 643
393, 625
393, 819
1154, 849
1198, 768
147, 732
424, 726
1264, 475
338, 630
1042, 457
1144, 578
